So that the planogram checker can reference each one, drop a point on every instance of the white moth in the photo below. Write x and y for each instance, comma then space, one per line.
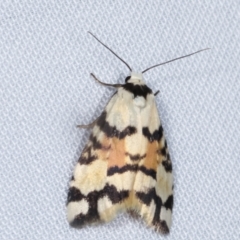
126, 164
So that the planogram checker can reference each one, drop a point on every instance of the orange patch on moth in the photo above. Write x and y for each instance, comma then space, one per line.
151, 160
117, 153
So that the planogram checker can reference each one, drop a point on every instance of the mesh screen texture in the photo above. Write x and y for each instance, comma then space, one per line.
46, 56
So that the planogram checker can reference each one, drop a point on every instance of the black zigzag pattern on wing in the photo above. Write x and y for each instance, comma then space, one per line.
111, 131
136, 157
87, 155
155, 136
151, 195
167, 164
92, 198
97, 145
132, 168
169, 203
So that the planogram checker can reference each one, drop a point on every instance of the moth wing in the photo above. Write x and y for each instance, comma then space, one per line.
99, 188
154, 183
125, 165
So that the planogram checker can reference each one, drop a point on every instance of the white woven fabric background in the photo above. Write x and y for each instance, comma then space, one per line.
46, 57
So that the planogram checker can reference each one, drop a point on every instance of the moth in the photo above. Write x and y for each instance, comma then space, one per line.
125, 166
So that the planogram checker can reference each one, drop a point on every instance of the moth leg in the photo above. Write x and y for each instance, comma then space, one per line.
90, 125
156, 93
105, 84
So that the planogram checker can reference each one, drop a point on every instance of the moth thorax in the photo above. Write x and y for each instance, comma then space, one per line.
139, 102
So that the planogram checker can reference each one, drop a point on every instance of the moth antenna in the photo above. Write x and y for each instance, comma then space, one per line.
111, 51
175, 59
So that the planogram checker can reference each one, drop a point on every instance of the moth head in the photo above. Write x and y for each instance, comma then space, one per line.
135, 78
